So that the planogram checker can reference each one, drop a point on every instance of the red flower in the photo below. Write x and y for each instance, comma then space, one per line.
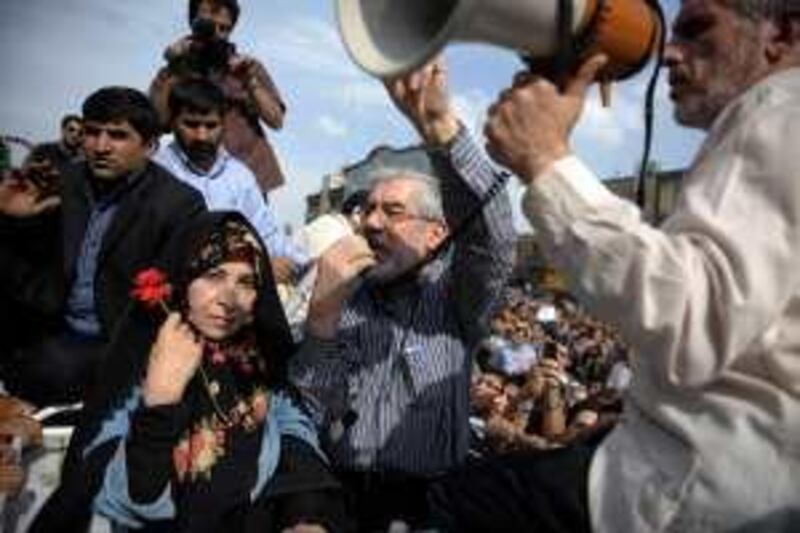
150, 287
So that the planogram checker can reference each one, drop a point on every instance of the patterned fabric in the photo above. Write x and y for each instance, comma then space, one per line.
114, 501
232, 242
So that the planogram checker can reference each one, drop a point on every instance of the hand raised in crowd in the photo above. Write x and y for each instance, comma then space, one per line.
11, 407
22, 199
528, 128
338, 277
424, 98
174, 359
245, 68
551, 371
256, 80
25, 427
179, 48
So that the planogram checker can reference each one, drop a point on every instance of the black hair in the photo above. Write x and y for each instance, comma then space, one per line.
71, 117
111, 104
353, 202
231, 5
197, 95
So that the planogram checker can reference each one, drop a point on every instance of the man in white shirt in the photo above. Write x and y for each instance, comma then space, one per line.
709, 302
196, 156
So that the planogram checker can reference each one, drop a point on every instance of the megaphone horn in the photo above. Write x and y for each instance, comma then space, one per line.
389, 37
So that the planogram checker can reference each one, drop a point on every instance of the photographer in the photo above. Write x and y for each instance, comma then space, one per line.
252, 96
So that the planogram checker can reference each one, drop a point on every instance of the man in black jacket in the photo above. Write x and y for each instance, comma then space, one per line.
67, 263
66, 150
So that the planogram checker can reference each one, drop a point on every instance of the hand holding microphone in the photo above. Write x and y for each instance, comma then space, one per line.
338, 277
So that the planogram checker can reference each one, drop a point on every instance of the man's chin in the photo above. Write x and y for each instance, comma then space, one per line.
378, 275
201, 155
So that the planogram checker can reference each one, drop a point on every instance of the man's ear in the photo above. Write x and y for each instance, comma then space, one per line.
152, 146
438, 232
782, 40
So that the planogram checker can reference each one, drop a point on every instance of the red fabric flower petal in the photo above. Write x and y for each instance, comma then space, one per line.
150, 287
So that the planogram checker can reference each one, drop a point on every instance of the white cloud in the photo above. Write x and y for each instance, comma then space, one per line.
611, 127
332, 127
308, 44
360, 95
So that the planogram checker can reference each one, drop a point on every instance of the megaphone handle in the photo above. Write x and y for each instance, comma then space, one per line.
605, 92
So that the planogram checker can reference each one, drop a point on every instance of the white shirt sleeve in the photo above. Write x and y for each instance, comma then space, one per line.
695, 294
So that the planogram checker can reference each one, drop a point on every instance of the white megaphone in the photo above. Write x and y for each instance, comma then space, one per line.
390, 37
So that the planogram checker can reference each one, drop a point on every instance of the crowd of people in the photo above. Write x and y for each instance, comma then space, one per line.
548, 375
412, 388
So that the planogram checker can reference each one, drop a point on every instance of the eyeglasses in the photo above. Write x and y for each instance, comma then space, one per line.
393, 214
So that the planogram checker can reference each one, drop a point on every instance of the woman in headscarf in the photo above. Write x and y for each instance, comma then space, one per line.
195, 427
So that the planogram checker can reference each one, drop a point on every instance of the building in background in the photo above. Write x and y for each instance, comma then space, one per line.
338, 186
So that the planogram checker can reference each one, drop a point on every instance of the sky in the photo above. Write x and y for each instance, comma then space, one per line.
55, 53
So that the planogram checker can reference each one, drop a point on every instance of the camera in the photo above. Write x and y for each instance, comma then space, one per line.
208, 53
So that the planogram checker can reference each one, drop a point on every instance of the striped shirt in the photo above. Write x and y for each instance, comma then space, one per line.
394, 384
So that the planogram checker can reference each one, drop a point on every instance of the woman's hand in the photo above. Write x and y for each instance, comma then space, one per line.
174, 359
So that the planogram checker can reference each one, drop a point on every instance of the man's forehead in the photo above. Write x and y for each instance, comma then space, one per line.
395, 190
118, 124
208, 7
112, 127
193, 114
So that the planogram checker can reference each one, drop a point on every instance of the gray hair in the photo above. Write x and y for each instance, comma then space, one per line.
426, 200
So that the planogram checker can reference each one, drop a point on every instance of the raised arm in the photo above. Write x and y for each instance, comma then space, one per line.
261, 88
695, 295
483, 253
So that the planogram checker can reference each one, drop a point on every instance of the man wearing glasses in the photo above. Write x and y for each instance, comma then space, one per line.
389, 335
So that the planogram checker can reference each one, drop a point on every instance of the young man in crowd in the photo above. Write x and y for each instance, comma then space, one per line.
197, 157
709, 301
113, 217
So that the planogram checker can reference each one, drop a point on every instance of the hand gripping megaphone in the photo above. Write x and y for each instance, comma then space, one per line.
389, 37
